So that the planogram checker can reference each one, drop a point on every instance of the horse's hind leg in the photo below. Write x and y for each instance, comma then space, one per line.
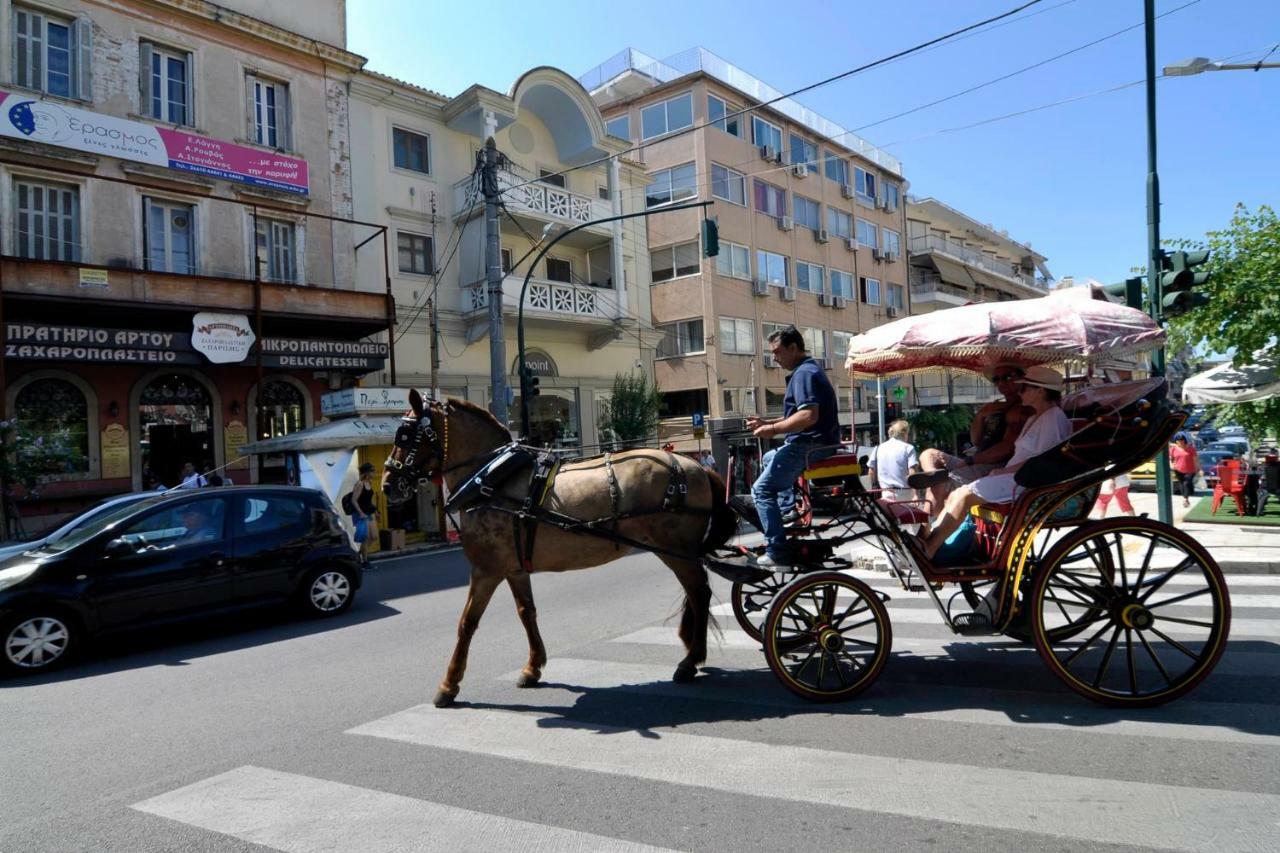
483, 583
522, 591
696, 616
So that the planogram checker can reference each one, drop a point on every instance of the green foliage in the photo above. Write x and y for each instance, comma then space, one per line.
938, 427
26, 459
631, 415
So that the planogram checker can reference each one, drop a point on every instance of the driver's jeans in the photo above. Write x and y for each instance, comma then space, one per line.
773, 489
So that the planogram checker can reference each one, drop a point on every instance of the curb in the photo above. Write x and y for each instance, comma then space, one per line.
412, 551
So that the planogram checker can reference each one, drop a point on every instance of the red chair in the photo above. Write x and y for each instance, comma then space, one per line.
1232, 477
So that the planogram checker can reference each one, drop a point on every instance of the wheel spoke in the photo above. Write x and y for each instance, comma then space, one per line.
1186, 621
851, 610
1106, 657
835, 665
1087, 643
1133, 672
1124, 575
1178, 598
1167, 576
1086, 605
1171, 641
858, 625
796, 670
1146, 564
1155, 658
852, 660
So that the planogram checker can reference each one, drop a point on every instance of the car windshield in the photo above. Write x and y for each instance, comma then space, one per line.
88, 531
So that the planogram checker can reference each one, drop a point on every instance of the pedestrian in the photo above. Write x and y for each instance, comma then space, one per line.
191, 478
366, 514
1185, 462
708, 461
893, 461
1117, 487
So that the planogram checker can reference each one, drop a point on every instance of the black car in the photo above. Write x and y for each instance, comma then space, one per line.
172, 556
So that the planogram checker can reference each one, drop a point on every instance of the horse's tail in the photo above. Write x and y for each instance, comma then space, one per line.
724, 521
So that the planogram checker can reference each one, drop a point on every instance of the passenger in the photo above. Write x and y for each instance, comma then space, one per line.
994, 430
893, 461
1048, 426
1117, 487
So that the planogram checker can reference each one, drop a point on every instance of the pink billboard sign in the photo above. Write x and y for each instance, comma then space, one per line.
22, 117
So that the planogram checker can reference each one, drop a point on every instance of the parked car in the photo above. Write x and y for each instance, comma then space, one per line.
173, 556
89, 516
1208, 433
1238, 446
1144, 473
1231, 430
1209, 461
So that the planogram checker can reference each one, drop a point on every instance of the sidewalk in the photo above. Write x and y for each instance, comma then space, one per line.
1238, 548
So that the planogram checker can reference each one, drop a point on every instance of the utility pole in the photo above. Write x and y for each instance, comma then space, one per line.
435, 342
493, 275
1155, 258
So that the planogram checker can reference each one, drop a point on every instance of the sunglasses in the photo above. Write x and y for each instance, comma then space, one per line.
1006, 377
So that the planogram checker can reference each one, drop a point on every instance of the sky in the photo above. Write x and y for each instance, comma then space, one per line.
1070, 179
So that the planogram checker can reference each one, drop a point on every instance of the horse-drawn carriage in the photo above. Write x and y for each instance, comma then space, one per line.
1127, 611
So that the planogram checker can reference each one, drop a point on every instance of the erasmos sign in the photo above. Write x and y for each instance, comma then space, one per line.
222, 338
22, 117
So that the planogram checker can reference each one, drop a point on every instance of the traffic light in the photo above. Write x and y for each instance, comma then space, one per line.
528, 383
710, 238
1129, 290
890, 412
1178, 278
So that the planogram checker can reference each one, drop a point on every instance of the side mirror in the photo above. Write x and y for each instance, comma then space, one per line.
119, 548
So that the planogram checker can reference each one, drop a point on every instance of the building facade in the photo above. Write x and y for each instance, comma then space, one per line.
178, 270
811, 226
587, 312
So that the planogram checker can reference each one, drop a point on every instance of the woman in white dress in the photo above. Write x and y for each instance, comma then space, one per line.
1047, 427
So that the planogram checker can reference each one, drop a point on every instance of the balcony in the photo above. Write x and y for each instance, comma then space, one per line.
539, 201
964, 390
980, 261
931, 292
546, 300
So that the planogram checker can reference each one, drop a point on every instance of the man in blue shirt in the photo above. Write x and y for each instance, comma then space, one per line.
810, 422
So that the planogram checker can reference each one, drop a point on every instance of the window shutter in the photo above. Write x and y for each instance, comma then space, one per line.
84, 58
34, 76
284, 126
191, 89
249, 124
144, 79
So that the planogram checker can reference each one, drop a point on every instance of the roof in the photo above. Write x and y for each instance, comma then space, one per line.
387, 78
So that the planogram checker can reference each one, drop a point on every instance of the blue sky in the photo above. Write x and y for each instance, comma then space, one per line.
1070, 180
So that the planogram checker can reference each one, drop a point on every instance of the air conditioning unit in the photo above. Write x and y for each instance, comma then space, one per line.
788, 294
824, 300
890, 311
767, 152
883, 204
800, 170
784, 223
760, 287
770, 361
890, 257
877, 255
838, 302
820, 234
851, 244
846, 190
777, 158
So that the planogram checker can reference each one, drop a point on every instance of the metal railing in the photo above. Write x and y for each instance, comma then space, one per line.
934, 243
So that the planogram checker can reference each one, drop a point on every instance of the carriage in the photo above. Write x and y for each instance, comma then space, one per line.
1127, 611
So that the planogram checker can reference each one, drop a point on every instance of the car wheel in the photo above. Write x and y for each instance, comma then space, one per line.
37, 641
327, 591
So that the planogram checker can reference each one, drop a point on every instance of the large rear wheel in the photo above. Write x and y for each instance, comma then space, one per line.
1130, 612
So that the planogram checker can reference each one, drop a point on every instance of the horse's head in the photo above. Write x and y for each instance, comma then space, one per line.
419, 450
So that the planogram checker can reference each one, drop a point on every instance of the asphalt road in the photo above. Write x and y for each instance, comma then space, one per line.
303, 736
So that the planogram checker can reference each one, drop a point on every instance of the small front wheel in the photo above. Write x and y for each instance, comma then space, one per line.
327, 591
37, 641
827, 636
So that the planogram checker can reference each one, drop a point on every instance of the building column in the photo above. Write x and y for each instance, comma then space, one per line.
619, 262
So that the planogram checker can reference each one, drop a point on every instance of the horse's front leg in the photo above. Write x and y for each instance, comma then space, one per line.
695, 618
522, 591
483, 583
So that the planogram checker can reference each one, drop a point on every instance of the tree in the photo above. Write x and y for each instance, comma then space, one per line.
631, 415
1243, 312
27, 460
939, 427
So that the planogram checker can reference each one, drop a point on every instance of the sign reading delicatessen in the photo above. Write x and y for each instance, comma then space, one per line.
53, 342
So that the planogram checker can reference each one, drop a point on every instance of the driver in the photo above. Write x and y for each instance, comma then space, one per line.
199, 523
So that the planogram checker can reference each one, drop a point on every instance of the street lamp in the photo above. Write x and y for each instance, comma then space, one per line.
1188, 67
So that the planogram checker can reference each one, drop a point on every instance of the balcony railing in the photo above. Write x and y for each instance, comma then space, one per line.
933, 243
546, 298
932, 285
542, 200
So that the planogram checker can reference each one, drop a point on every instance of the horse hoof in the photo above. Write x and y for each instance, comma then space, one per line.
527, 680
444, 700
684, 674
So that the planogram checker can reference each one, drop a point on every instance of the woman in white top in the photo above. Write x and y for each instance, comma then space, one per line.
1048, 426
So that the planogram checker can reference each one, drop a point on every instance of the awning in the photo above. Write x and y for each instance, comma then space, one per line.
347, 432
954, 272
1226, 383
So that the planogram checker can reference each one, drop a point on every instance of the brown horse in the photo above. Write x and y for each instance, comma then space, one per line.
456, 438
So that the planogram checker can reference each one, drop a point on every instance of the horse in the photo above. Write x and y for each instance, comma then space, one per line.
627, 497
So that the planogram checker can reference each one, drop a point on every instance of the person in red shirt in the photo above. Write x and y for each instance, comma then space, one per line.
1185, 463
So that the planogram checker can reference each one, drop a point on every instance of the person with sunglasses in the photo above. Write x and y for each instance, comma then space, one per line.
994, 431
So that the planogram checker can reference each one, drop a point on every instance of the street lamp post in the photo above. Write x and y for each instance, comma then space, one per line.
1199, 64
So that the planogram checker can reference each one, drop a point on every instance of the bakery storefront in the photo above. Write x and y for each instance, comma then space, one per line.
131, 406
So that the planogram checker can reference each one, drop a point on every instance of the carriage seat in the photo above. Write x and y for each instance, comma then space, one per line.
994, 513
905, 513
841, 465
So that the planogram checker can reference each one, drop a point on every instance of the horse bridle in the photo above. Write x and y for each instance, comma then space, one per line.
424, 437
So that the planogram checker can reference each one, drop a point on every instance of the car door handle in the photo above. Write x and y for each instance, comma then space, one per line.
217, 558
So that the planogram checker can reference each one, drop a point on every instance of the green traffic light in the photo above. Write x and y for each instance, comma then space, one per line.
710, 238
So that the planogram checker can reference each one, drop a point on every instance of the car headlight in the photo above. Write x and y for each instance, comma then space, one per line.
16, 574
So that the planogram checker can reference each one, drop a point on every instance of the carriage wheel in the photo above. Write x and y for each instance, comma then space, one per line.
827, 636
1130, 612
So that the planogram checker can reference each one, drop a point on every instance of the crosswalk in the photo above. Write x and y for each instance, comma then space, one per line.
992, 747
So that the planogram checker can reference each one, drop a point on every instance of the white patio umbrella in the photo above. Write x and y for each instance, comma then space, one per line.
1229, 383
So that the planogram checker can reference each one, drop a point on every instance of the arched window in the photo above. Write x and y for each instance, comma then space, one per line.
56, 412
282, 408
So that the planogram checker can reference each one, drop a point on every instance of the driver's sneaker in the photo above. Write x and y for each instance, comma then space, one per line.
771, 563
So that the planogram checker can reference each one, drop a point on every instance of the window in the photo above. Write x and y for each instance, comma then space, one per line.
619, 127
57, 411
667, 116
737, 336
841, 284
836, 168
559, 269
870, 290
506, 261
269, 514
681, 338
897, 296
892, 195
417, 253
169, 231
865, 186
809, 277
268, 103
765, 134
839, 223
194, 523
673, 261
867, 234
804, 152
815, 341
892, 241
671, 185
602, 192
840, 346
728, 184
724, 116
740, 401
682, 404
772, 268
550, 176
277, 255
770, 199
808, 213
165, 82
773, 400
733, 260
48, 221
52, 54
412, 150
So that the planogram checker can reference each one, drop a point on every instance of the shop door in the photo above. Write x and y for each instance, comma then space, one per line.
175, 414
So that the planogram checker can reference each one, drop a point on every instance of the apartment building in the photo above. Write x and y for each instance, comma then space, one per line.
954, 259
587, 311
178, 261
811, 225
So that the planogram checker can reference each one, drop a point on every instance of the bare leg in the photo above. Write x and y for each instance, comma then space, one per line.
957, 507
522, 591
483, 583
695, 618
935, 460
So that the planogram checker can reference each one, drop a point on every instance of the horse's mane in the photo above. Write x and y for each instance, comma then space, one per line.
482, 413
